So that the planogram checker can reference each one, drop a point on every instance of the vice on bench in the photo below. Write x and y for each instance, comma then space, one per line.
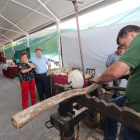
70, 112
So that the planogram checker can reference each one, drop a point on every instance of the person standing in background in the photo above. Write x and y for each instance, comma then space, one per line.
42, 72
112, 58
2, 58
27, 79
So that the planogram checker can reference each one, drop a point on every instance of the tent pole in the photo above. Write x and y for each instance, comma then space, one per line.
56, 18
5, 37
12, 50
3, 51
27, 38
35, 11
58, 31
12, 23
58, 43
79, 38
11, 30
28, 46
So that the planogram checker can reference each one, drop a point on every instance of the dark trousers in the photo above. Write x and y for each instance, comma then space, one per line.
117, 83
127, 133
111, 126
42, 81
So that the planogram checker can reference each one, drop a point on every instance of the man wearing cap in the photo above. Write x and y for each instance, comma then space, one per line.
42, 72
112, 58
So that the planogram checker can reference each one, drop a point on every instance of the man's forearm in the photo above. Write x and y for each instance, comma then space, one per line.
113, 72
107, 77
49, 67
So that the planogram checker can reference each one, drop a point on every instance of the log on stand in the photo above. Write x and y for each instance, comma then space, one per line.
70, 114
88, 102
28, 114
116, 88
123, 115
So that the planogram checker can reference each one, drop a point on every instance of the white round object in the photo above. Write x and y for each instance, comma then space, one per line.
76, 79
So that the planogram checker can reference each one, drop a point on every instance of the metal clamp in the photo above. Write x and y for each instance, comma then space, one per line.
67, 138
47, 125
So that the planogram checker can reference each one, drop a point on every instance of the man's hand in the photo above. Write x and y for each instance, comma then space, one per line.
95, 80
47, 73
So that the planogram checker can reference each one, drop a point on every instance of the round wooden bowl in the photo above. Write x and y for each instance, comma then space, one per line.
87, 76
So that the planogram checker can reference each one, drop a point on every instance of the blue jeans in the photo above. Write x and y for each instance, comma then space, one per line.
111, 126
127, 133
117, 83
43, 79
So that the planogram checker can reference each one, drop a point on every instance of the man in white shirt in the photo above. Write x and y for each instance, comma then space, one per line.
42, 72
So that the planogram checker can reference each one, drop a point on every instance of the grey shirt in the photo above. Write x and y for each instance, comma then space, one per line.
112, 58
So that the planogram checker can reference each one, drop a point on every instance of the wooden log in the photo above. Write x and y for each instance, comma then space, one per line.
124, 115
62, 88
124, 76
116, 88
28, 114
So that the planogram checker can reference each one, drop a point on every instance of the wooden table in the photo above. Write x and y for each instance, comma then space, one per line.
63, 80
60, 80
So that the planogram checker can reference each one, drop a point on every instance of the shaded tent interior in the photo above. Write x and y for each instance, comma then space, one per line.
21, 18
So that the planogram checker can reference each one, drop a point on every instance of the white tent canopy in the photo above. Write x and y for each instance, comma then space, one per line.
97, 44
19, 18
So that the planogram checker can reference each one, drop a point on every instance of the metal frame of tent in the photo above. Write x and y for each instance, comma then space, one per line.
89, 5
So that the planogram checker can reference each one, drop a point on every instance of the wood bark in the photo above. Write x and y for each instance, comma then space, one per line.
124, 115
28, 114
117, 88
